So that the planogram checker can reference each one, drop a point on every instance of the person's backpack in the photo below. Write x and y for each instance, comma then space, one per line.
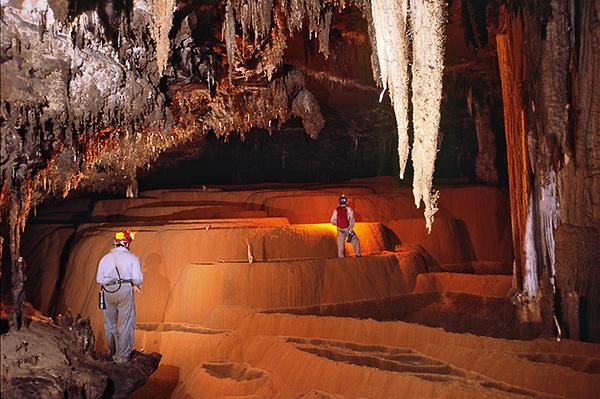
342, 217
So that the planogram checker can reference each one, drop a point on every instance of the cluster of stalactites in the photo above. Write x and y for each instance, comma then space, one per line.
264, 26
397, 28
256, 15
253, 16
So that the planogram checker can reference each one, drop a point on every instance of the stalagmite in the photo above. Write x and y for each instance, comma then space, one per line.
428, 23
389, 20
250, 257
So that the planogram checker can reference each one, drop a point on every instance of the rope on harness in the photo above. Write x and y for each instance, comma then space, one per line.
120, 282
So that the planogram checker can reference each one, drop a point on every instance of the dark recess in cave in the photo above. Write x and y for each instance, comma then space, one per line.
286, 156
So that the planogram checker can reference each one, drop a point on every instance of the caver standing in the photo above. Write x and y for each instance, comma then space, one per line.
343, 219
120, 274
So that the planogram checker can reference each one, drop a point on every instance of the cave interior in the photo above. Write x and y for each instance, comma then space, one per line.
465, 134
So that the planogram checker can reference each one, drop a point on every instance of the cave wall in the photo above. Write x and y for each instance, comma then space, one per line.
551, 120
285, 156
578, 182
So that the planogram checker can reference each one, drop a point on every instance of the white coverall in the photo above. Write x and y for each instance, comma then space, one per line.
120, 305
343, 233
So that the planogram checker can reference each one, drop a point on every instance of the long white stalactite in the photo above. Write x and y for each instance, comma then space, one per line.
428, 19
390, 23
393, 31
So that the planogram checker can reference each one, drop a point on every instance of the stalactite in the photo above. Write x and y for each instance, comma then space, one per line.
393, 31
324, 34
162, 14
306, 107
229, 34
390, 25
254, 16
262, 38
239, 111
428, 19
272, 55
375, 69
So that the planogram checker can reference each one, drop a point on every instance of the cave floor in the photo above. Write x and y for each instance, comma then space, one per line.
244, 295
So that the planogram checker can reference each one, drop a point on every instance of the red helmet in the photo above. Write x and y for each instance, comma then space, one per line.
123, 238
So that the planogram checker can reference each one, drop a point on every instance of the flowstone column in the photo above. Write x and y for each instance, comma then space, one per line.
550, 151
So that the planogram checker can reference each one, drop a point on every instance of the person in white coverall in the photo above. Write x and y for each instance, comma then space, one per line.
120, 274
343, 219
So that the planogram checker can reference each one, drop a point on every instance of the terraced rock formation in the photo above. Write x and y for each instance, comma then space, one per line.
244, 295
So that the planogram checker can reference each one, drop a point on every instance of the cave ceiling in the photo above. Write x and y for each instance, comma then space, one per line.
94, 92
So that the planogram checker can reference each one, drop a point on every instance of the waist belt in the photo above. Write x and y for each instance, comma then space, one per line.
121, 281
